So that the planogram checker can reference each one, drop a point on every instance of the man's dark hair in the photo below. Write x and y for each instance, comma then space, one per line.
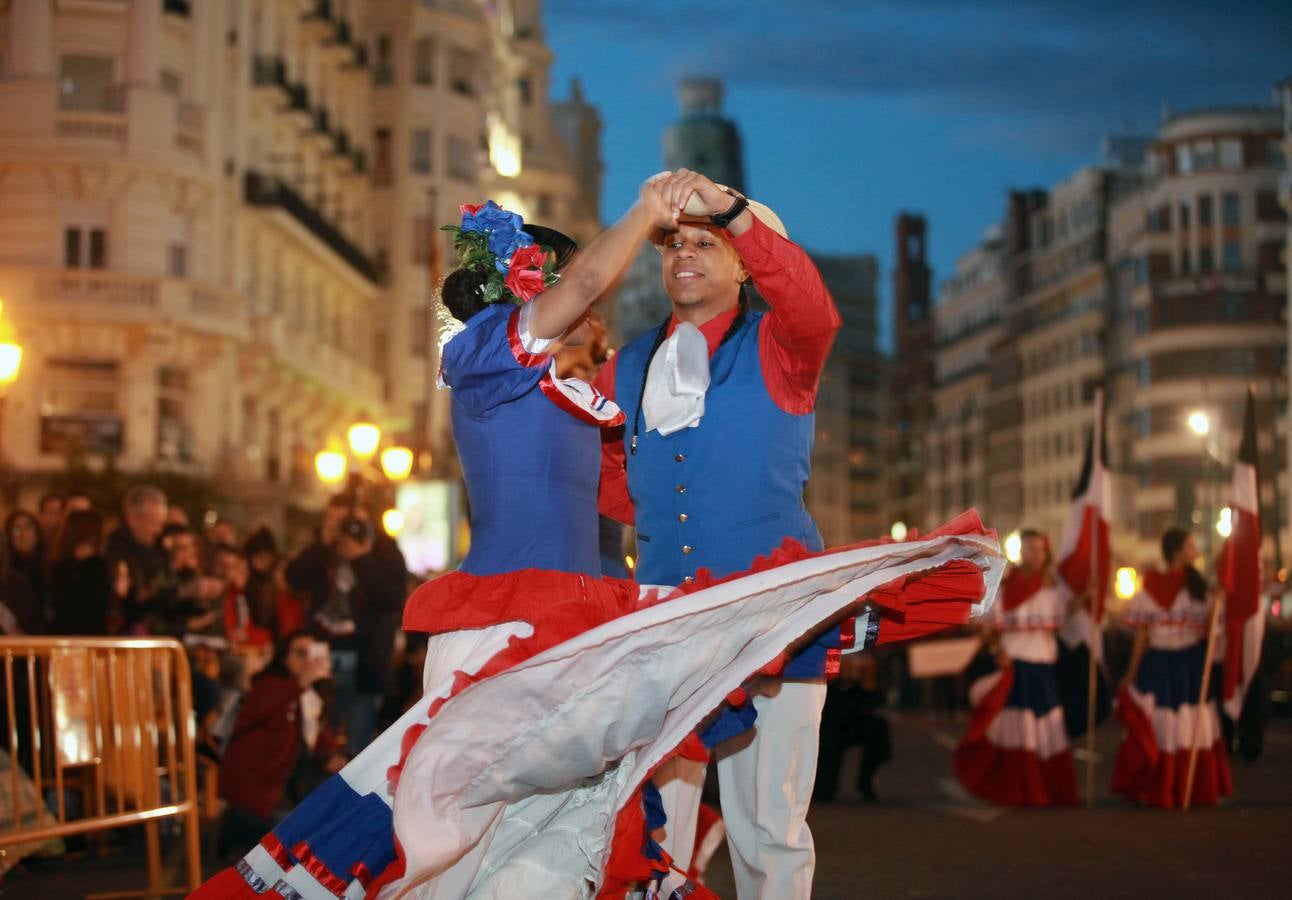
1172, 540
49, 498
284, 646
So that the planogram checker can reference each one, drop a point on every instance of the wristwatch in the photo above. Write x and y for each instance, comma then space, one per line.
722, 220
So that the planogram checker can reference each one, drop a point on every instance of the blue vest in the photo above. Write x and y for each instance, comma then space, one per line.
718, 495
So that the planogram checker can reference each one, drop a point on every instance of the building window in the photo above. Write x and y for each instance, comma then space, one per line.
462, 72
177, 260
1268, 208
85, 83
1231, 209
525, 88
420, 150
174, 438
1184, 213
1186, 261
85, 247
1204, 156
1206, 260
1231, 153
381, 164
1141, 321
1204, 209
1231, 258
1183, 159
383, 69
462, 159
423, 61
1274, 154
1141, 270
78, 412
1143, 372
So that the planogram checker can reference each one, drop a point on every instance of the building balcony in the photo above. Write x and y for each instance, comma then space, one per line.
265, 191
102, 295
324, 365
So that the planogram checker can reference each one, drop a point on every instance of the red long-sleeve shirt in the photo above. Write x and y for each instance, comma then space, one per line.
794, 341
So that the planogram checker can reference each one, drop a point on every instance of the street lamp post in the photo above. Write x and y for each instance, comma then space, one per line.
363, 441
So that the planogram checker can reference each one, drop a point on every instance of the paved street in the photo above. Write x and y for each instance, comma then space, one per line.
926, 839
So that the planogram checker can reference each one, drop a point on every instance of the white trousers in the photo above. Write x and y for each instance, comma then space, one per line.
766, 785
680, 782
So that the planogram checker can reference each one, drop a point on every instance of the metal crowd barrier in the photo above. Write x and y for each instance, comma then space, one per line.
107, 724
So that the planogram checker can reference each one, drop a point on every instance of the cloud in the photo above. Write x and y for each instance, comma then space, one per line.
1054, 72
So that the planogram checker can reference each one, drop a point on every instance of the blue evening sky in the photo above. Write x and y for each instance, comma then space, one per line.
853, 111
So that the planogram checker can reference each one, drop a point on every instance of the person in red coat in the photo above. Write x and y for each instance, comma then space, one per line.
280, 745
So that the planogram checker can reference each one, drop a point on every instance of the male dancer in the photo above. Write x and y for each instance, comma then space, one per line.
711, 469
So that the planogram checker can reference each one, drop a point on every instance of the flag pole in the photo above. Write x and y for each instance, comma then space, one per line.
1092, 680
1092, 690
1202, 702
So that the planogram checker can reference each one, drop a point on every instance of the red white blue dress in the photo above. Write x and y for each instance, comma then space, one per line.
1160, 710
552, 694
1015, 752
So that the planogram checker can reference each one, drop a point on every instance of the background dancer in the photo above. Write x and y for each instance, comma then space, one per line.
1015, 752
1158, 699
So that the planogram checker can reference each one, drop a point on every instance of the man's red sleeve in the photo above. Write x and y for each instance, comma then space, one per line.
613, 501
794, 339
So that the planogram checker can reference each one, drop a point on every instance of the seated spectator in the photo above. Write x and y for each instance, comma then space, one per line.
50, 511
230, 568
181, 605
29, 558
280, 746
136, 543
261, 552
88, 591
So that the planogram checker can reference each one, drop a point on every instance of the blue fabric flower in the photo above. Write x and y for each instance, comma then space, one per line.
504, 242
490, 217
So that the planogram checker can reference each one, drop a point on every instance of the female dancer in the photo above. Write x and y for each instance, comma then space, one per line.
1015, 752
1158, 701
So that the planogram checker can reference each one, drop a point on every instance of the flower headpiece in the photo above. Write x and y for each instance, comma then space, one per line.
494, 241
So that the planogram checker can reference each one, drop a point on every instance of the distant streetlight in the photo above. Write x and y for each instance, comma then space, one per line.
392, 520
899, 531
364, 438
1199, 423
1225, 522
1014, 546
10, 352
1126, 583
397, 463
330, 465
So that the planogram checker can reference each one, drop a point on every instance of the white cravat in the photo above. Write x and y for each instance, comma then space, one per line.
676, 382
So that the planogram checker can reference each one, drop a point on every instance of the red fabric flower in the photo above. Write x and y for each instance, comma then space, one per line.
470, 209
525, 276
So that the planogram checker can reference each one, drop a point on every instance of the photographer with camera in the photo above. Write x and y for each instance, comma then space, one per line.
355, 581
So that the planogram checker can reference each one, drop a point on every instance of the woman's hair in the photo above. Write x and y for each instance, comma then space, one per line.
12, 519
82, 526
463, 292
1172, 540
463, 289
278, 664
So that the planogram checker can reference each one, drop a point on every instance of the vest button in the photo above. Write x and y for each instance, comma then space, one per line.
682, 517
681, 489
679, 458
686, 548
688, 579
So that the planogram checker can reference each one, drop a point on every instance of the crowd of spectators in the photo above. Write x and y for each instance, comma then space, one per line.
295, 657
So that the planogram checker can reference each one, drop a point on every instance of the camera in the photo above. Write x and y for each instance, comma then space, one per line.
356, 528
